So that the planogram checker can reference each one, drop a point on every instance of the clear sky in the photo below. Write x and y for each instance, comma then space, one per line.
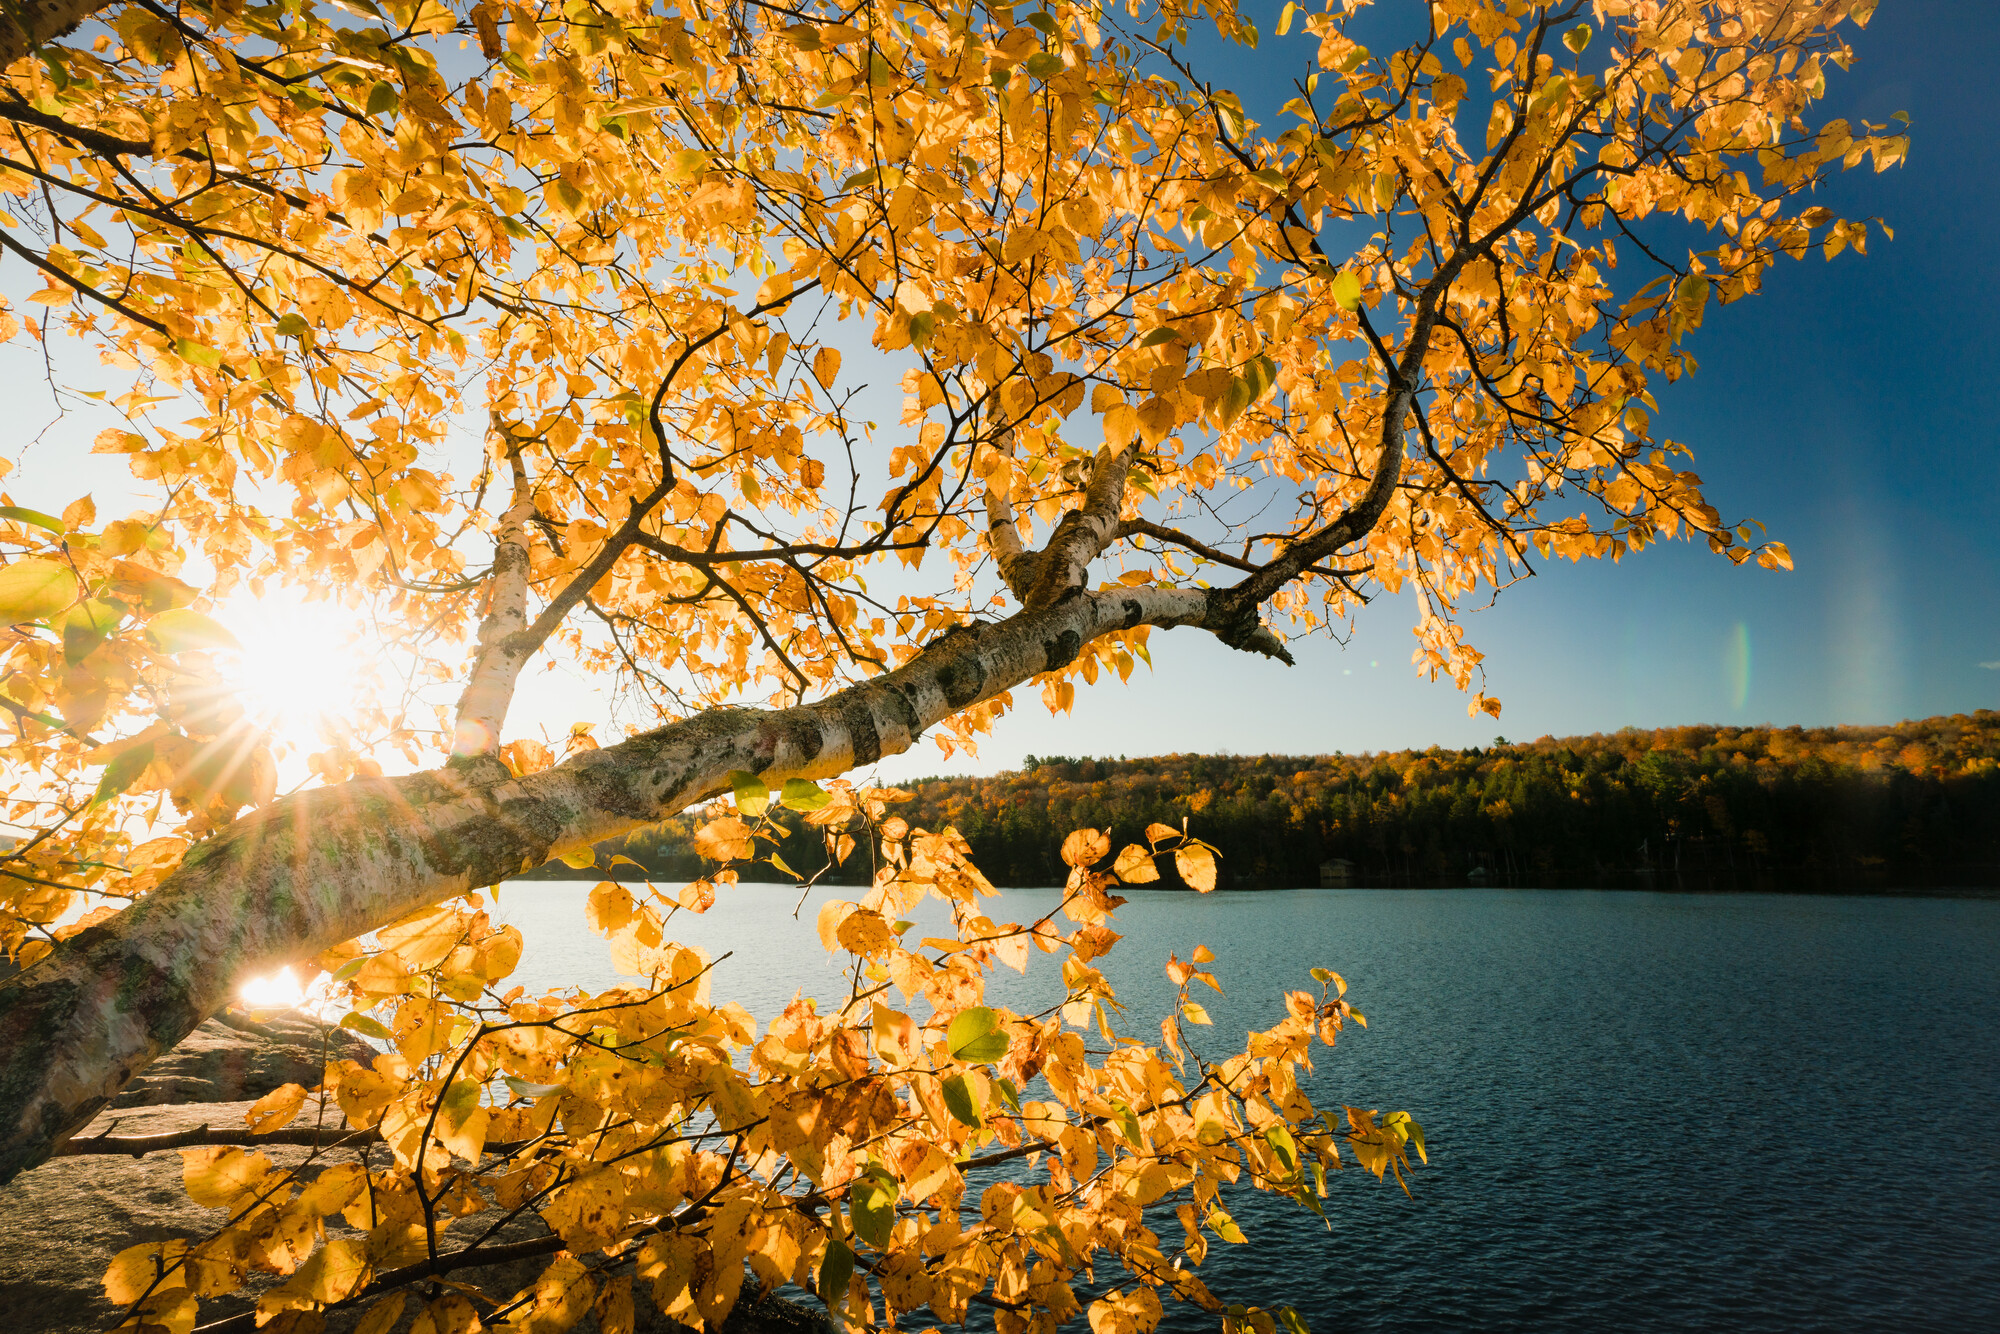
1849, 408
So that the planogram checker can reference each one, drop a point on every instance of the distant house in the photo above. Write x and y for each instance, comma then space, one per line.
1335, 872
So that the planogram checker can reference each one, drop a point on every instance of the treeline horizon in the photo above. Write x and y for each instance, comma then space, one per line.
1920, 799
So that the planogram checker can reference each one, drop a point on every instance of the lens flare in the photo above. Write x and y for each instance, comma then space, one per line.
282, 990
300, 667
1736, 663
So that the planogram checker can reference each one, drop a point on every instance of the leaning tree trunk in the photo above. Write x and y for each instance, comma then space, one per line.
330, 864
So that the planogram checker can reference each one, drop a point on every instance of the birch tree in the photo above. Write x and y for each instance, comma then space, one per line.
1163, 366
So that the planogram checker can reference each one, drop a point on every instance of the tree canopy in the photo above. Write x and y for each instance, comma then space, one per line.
546, 329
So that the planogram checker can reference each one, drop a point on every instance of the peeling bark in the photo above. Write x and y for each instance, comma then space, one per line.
1084, 532
330, 864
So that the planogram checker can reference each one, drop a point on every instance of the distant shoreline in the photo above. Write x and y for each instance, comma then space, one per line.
1919, 882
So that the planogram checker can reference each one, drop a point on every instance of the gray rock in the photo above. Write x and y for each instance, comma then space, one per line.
231, 1057
61, 1225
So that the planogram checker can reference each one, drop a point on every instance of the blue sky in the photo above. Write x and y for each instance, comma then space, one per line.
1850, 408
1846, 408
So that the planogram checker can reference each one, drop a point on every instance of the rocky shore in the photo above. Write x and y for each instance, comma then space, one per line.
61, 1224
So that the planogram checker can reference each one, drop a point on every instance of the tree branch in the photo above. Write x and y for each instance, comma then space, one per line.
328, 864
1064, 561
489, 687
1003, 537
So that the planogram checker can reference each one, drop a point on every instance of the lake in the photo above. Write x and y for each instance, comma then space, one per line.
1644, 1110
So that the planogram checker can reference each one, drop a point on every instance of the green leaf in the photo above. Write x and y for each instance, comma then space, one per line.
1347, 290
958, 1100
198, 353
1043, 21
975, 1036
921, 325
1291, 1321
1282, 1144
871, 1206
781, 864
460, 1098
292, 325
34, 588
834, 1272
180, 630
1235, 398
1260, 373
86, 626
383, 98
35, 517
1163, 334
1009, 1095
1128, 1123
365, 1026
350, 968
802, 794
751, 794
859, 179
1223, 1226
1577, 38
1044, 65
1691, 299
122, 772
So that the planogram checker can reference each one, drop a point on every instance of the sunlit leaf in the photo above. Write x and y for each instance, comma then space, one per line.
975, 1035
34, 588
181, 630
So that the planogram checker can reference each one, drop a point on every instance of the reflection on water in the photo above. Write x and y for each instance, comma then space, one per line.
1645, 1111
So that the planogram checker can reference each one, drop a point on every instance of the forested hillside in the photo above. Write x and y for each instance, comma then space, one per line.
1844, 802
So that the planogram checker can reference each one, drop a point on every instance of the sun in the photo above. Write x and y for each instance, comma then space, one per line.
302, 668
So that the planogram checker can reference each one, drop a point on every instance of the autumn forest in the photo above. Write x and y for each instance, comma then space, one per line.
1808, 806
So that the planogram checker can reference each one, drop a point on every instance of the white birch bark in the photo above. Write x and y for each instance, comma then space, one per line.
504, 647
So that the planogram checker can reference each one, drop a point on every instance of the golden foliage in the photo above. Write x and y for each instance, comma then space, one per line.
629, 237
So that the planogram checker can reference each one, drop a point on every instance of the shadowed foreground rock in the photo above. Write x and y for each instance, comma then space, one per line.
61, 1224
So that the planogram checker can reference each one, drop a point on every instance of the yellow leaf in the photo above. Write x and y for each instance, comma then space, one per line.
609, 907
826, 366
423, 941
34, 588
181, 630
382, 1316
1135, 865
1085, 846
139, 1269
1196, 865
723, 840
224, 1178
275, 1110
831, 915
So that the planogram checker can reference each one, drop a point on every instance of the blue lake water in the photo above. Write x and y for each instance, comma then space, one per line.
1644, 1110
